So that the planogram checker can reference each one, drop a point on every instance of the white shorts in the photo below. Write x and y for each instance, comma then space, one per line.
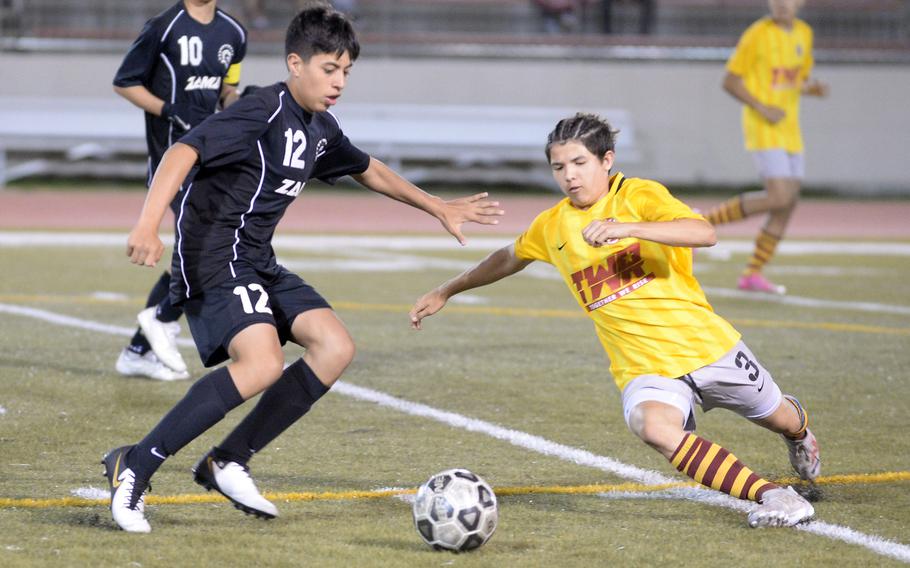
736, 381
778, 163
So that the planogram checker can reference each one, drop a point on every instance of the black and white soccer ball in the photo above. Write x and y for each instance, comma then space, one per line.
455, 510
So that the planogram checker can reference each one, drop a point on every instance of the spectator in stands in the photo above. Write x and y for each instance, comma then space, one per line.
767, 73
646, 16
558, 16
184, 64
254, 10
622, 246
256, 13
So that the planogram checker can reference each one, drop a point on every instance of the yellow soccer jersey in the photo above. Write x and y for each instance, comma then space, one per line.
649, 312
774, 63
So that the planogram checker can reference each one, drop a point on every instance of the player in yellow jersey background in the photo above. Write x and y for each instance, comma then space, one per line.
767, 73
623, 248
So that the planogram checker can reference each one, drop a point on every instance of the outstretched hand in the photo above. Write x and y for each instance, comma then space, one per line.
426, 305
816, 88
144, 247
475, 208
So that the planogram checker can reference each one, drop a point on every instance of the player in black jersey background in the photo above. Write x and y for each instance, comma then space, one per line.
253, 160
184, 65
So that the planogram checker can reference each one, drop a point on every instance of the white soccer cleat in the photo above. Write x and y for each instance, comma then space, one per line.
162, 337
133, 364
234, 482
804, 456
781, 507
127, 493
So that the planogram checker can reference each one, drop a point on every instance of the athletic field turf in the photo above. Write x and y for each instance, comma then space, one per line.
509, 382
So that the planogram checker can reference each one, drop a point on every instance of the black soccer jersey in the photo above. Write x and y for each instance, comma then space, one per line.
181, 60
254, 159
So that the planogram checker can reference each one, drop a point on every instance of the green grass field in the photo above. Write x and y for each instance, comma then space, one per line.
521, 356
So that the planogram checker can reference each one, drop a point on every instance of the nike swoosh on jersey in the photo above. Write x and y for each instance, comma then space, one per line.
562, 245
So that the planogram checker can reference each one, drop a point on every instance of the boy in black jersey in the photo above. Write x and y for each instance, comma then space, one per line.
185, 62
254, 159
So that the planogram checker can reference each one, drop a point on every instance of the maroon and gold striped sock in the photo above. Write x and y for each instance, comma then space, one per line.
727, 212
765, 245
715, 467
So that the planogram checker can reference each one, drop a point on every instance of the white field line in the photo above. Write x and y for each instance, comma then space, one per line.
380, 262
530, 442
362, 246
876, 544
805, 302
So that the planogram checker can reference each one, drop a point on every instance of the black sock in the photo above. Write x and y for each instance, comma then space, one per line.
206, 403
139, 344
166, 312
281, 405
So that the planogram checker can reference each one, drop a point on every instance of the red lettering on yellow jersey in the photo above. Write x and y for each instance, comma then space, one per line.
621, 273
785, 78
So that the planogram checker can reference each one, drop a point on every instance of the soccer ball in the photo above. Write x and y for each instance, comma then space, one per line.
455, 510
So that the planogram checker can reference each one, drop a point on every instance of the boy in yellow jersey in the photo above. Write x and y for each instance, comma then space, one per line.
622, 246
768, 72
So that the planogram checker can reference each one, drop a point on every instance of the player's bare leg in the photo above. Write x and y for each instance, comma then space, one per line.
791, 422
329, 346
778, 200
660, 425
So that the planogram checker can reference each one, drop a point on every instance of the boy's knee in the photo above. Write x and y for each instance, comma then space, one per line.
655, 428
269, 366
782, 197
783, 201
340, 348
347, 351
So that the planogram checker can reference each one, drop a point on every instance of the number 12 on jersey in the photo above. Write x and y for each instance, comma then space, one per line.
261, 303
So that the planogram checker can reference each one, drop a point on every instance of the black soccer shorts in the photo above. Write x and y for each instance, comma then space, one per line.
221, 312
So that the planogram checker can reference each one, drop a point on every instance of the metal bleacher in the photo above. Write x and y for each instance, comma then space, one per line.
104, 137
450, 143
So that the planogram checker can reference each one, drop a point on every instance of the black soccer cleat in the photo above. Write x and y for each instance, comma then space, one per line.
234, 482
127, 492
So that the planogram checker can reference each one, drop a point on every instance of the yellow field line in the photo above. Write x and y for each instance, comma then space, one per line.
862, 479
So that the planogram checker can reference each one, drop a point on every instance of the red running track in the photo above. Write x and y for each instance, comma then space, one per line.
356, 210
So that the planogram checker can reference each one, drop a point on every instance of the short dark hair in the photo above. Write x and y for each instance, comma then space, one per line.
320, 29
594, 132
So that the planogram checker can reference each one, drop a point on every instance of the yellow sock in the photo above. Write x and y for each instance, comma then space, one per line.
727, 212
765, 245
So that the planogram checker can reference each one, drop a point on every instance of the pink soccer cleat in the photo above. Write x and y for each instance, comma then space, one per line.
755, 282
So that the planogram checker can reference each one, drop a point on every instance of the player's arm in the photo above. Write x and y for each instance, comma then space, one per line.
735, 86
685, 232
142, 98
229, 95
496, 266
452, 214
144, 247
177, 113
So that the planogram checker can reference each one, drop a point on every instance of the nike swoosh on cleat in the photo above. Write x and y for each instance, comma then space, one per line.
155, 453
115, 481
